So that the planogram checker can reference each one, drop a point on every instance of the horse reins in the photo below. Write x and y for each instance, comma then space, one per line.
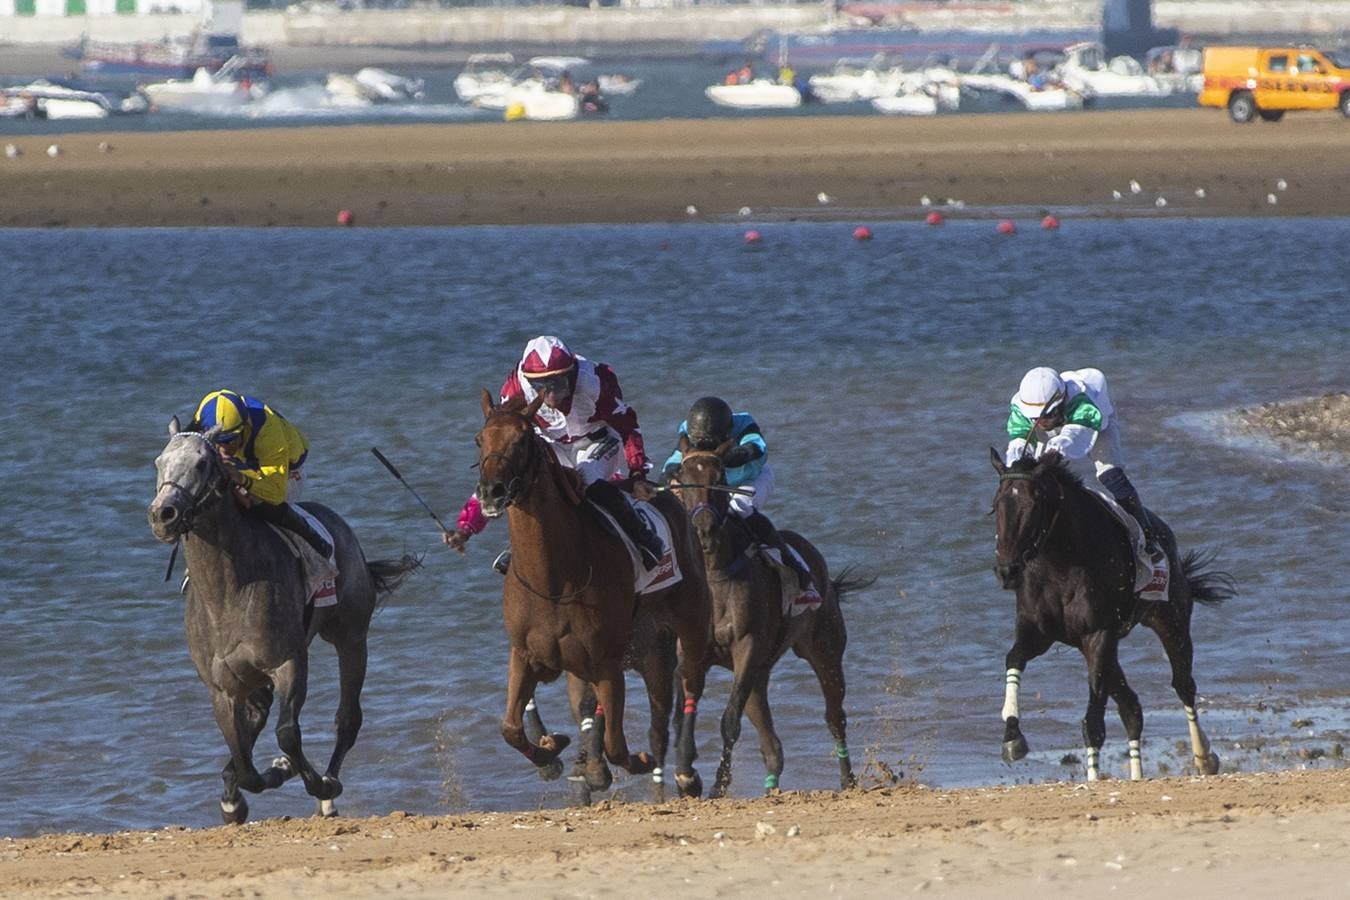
211, 488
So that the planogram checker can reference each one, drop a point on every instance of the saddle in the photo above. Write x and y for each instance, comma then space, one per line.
664, 575
320, 573
1152, 573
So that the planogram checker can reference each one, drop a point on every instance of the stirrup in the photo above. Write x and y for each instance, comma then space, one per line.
503, 561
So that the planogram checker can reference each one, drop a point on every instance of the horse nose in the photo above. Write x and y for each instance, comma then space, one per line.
496, 490
1008, 574
167, 513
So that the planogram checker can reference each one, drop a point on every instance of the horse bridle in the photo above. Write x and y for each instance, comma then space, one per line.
1030, 552
211, 488
521, 481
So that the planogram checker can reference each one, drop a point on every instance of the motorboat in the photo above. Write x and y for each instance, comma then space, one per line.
1180, 68
370, 86
921, 99
1086, 70
1044, 96
205, 91
853, 80
58, 100
538, 103
209, 46
617, 85
543, 89
484, 73
760, 93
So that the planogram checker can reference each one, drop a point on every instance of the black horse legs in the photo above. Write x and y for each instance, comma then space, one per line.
1028, 645
351, 655
1174, 632
770, 747
289, 681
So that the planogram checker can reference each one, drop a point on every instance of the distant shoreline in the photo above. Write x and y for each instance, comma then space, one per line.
872, 167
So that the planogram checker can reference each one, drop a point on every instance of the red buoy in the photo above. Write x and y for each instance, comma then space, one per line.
1006, 227
862, 233
1050, 223
934, 218
345, 217
753, 237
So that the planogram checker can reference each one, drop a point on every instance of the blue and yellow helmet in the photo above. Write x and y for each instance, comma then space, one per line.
225, 409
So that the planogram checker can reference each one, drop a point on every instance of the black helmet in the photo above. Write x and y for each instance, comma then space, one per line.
709, 423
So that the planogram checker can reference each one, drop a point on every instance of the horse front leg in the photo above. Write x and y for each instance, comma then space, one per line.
658, 674
591, 772
1028, 645
609, 695
535, 731
770, 747
352, 657
1174, 632
521, 681
744, 674
694, 639
239, 772
291, 682
1099, 649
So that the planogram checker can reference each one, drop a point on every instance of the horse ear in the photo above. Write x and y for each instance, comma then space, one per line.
685, 443
486, 401
529, 411
175, 426
997, 460
723, 447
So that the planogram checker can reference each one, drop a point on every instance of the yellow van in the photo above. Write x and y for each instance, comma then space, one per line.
1266, 82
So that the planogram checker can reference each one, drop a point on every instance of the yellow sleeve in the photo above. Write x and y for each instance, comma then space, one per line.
278, 445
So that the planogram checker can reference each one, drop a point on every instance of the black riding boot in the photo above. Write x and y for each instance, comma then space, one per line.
612, 500
762, 530
284, 515
1124, 491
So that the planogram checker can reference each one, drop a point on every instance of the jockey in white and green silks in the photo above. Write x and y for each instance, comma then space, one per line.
1071, 413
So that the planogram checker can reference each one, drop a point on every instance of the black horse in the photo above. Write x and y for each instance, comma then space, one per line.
1071, 563
246, 619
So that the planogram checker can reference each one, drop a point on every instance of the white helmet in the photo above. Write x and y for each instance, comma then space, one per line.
1040, 394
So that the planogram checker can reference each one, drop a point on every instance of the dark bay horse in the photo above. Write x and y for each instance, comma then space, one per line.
246, 619
569, 598
1072, 565
751, 632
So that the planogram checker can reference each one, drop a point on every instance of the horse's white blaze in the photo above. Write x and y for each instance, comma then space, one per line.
1136, 763
1013, 681
1093, 771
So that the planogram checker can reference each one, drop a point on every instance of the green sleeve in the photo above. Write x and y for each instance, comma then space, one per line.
1082, 411
1019, 426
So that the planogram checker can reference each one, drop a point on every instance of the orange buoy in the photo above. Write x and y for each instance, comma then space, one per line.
1050, 223
345, 217
1006, 226
753, 237
862, 233
934, 218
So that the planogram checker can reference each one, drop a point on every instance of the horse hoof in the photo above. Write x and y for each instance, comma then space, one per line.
553, 744
551, 771
640, 763
1209, 765
235, 813
581, 793
689, 785
328, 809
1015, 749
599, 778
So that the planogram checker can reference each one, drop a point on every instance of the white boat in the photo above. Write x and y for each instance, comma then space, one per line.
54, 100
1179, 68
370, 86
205, 91
853, 80
925, 99
1049, 98
536, 102
484, 73
542, 74
1086, 71
617, 85
758, 94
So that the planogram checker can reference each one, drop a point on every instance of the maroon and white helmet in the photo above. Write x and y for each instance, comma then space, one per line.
547, 357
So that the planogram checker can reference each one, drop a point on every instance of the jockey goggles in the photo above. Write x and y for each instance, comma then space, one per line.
550, 384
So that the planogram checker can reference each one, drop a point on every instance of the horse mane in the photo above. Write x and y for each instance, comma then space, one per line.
1056, 468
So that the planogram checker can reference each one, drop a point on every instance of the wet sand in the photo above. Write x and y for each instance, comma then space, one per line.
620, 172
1285, 834
1320, 424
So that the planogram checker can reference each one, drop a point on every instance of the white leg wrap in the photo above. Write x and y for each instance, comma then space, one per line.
1136, 763
656, 776
529, 705
1013, 681
228, 807
1199, 743
1093, 772
327, 808
587, 724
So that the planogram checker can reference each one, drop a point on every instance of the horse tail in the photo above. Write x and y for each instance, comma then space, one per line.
847, 581
1208, 585
388, 574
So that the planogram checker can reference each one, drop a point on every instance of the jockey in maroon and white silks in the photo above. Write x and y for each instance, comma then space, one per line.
587, 424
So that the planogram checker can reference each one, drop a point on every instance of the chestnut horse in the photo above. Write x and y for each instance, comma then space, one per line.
1070, 561
751, 632
570, 597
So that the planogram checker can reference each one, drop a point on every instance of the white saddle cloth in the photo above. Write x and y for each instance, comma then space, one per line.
1151, 576
320, 572
668, 572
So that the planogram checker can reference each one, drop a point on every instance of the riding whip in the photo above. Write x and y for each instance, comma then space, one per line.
393, 471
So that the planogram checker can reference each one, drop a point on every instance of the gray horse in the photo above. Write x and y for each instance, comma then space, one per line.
246, 619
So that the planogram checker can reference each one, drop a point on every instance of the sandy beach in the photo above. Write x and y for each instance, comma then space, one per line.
620, 172
1283, 834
